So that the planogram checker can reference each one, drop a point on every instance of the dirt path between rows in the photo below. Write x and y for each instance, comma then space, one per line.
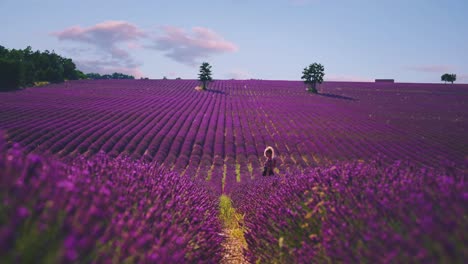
232, 249
234, 242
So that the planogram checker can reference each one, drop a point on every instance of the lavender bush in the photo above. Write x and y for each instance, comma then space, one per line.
357, 213
103, 210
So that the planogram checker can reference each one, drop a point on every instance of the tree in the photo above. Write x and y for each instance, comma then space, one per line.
53, 75
313, 75
205, 74
80, 75
11, 74
447, 77
69, 69
3, 51
93, 76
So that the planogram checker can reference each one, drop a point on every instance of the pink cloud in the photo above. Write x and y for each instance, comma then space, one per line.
134, 45
432, 68
110, 40
105, 36
188, 47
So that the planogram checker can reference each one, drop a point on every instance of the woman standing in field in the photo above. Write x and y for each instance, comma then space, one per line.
270, 162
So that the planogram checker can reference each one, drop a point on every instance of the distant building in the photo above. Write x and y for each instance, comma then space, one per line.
385, 80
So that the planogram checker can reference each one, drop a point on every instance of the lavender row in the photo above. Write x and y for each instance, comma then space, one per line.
103, 210
357, 213
223, 132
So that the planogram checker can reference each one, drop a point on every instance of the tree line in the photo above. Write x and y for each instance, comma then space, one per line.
115, 75
25, 68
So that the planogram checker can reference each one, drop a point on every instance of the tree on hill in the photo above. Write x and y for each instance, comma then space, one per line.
205, 74
447, 77
313, 75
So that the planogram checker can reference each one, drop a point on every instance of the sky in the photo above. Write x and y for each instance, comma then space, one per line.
355, 40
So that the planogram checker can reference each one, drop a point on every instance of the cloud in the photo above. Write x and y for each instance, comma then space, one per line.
434, 68
110, 40
110, 44
239, 74
346, 78
189, 47
105, 36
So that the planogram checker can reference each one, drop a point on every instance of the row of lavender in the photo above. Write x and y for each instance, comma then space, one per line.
433, 113
219, 134
357, 213
309, 131
103, 210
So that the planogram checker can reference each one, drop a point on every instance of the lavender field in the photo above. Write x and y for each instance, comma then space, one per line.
111, 171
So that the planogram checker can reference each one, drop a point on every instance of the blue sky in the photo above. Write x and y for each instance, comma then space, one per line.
356, 40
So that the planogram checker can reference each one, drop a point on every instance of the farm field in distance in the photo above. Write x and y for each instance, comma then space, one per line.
407, 142
210, 134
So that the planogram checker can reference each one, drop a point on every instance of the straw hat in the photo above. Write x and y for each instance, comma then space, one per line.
272, 151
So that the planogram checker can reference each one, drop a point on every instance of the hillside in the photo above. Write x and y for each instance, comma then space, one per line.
225, 130
369, 173
220, 134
